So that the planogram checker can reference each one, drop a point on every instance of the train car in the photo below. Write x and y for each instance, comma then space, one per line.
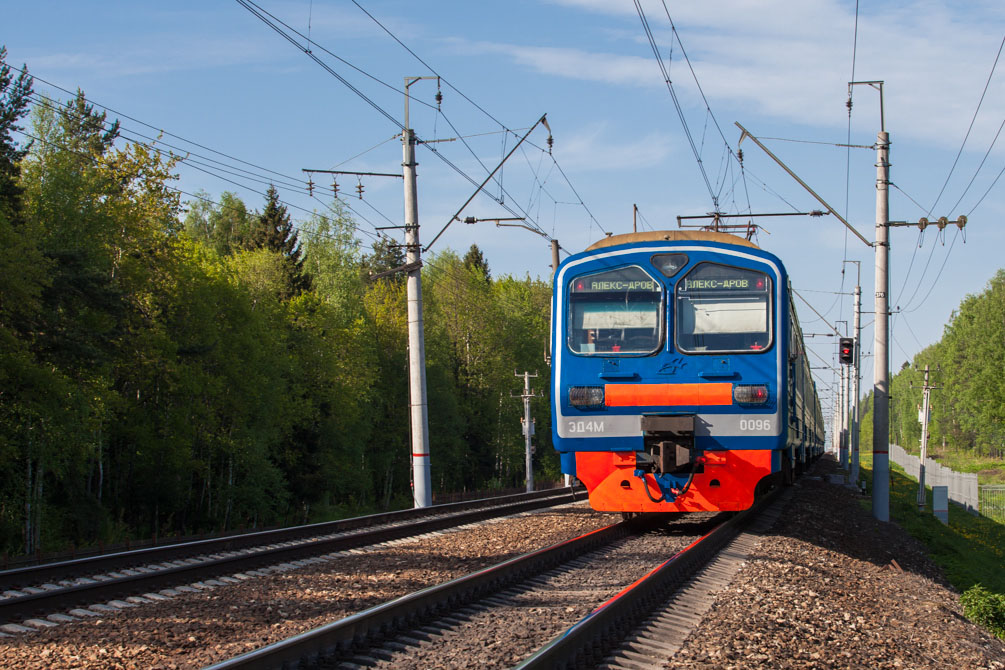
679, 378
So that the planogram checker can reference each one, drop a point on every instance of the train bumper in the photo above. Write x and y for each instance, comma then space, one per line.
726, 483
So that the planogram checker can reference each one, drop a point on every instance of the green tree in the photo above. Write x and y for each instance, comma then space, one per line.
475, 261
14, 96
22, 268
103, 217
385, 255
224, 226
332, 259
273, 229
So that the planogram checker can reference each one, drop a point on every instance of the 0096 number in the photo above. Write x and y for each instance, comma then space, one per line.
760, 425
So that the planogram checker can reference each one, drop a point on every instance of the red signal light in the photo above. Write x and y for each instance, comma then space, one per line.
846, 350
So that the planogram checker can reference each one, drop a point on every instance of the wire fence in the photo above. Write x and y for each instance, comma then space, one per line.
963, 487
988, 500
993, 502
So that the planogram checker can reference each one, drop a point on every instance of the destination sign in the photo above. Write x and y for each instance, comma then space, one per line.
621, 280
723, 278
724, 284
595, 285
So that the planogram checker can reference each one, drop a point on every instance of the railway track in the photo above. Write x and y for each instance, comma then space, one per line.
644, 625
530, 610
54, 587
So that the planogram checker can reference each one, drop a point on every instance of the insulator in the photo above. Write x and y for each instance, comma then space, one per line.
739, 155
551, 143
334, 188
439, 99
310, 187
359, 189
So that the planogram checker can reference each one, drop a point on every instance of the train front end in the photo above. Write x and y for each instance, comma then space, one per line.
667, 376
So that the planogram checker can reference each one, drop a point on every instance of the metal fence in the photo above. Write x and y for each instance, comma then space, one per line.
963, 487
993, 502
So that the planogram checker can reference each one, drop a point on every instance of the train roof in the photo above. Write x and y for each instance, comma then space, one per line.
671, 236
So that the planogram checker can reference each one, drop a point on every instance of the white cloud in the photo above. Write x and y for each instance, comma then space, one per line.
595, 148
572, 63
792, 61
155, 55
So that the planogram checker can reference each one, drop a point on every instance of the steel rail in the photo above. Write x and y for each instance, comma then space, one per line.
340, 636
33, 575
12, 609
587, 643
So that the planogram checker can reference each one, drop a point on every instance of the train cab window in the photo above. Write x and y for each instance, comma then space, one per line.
615, 312
722, 308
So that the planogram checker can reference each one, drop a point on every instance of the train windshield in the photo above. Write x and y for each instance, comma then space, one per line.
615, 312
722, 308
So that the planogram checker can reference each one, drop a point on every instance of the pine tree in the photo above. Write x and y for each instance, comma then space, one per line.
273, 230
14, 97
386, 256
475, 260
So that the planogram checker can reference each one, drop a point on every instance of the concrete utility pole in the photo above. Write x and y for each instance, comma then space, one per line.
881, 353
845, 415
422, 493
881, 350
925, 405
857, 371
528, 427
835, 421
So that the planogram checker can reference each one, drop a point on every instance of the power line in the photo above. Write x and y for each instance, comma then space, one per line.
94, 160
151, 143
430, 68
977, 171
673, 95
211, 170
943, 267
972, 120
946, 183
847, 177
271, 21
987, 191
278, 25
152, 127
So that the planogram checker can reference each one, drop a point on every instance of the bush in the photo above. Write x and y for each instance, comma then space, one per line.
985, 608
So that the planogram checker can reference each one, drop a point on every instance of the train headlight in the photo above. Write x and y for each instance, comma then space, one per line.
750, 394
586, 397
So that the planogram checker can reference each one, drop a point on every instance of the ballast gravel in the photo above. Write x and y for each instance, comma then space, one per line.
831, 587
193, 630
826, 587
502, 630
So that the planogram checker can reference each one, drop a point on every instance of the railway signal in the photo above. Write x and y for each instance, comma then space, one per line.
846, 350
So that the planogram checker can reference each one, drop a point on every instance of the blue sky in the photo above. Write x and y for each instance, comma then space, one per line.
214, 74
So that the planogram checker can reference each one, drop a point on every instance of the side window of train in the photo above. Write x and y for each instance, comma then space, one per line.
615, 312
723, 309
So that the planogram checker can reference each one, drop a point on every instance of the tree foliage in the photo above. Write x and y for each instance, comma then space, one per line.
164, 373
968, 407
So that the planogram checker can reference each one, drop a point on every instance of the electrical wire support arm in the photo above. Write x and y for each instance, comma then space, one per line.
746, 133
456, 216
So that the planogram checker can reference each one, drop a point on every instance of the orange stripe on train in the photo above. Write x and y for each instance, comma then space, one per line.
651, 395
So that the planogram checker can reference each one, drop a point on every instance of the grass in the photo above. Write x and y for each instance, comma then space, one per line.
970, 550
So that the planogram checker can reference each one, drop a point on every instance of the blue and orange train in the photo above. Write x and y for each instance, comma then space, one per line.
679, 379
